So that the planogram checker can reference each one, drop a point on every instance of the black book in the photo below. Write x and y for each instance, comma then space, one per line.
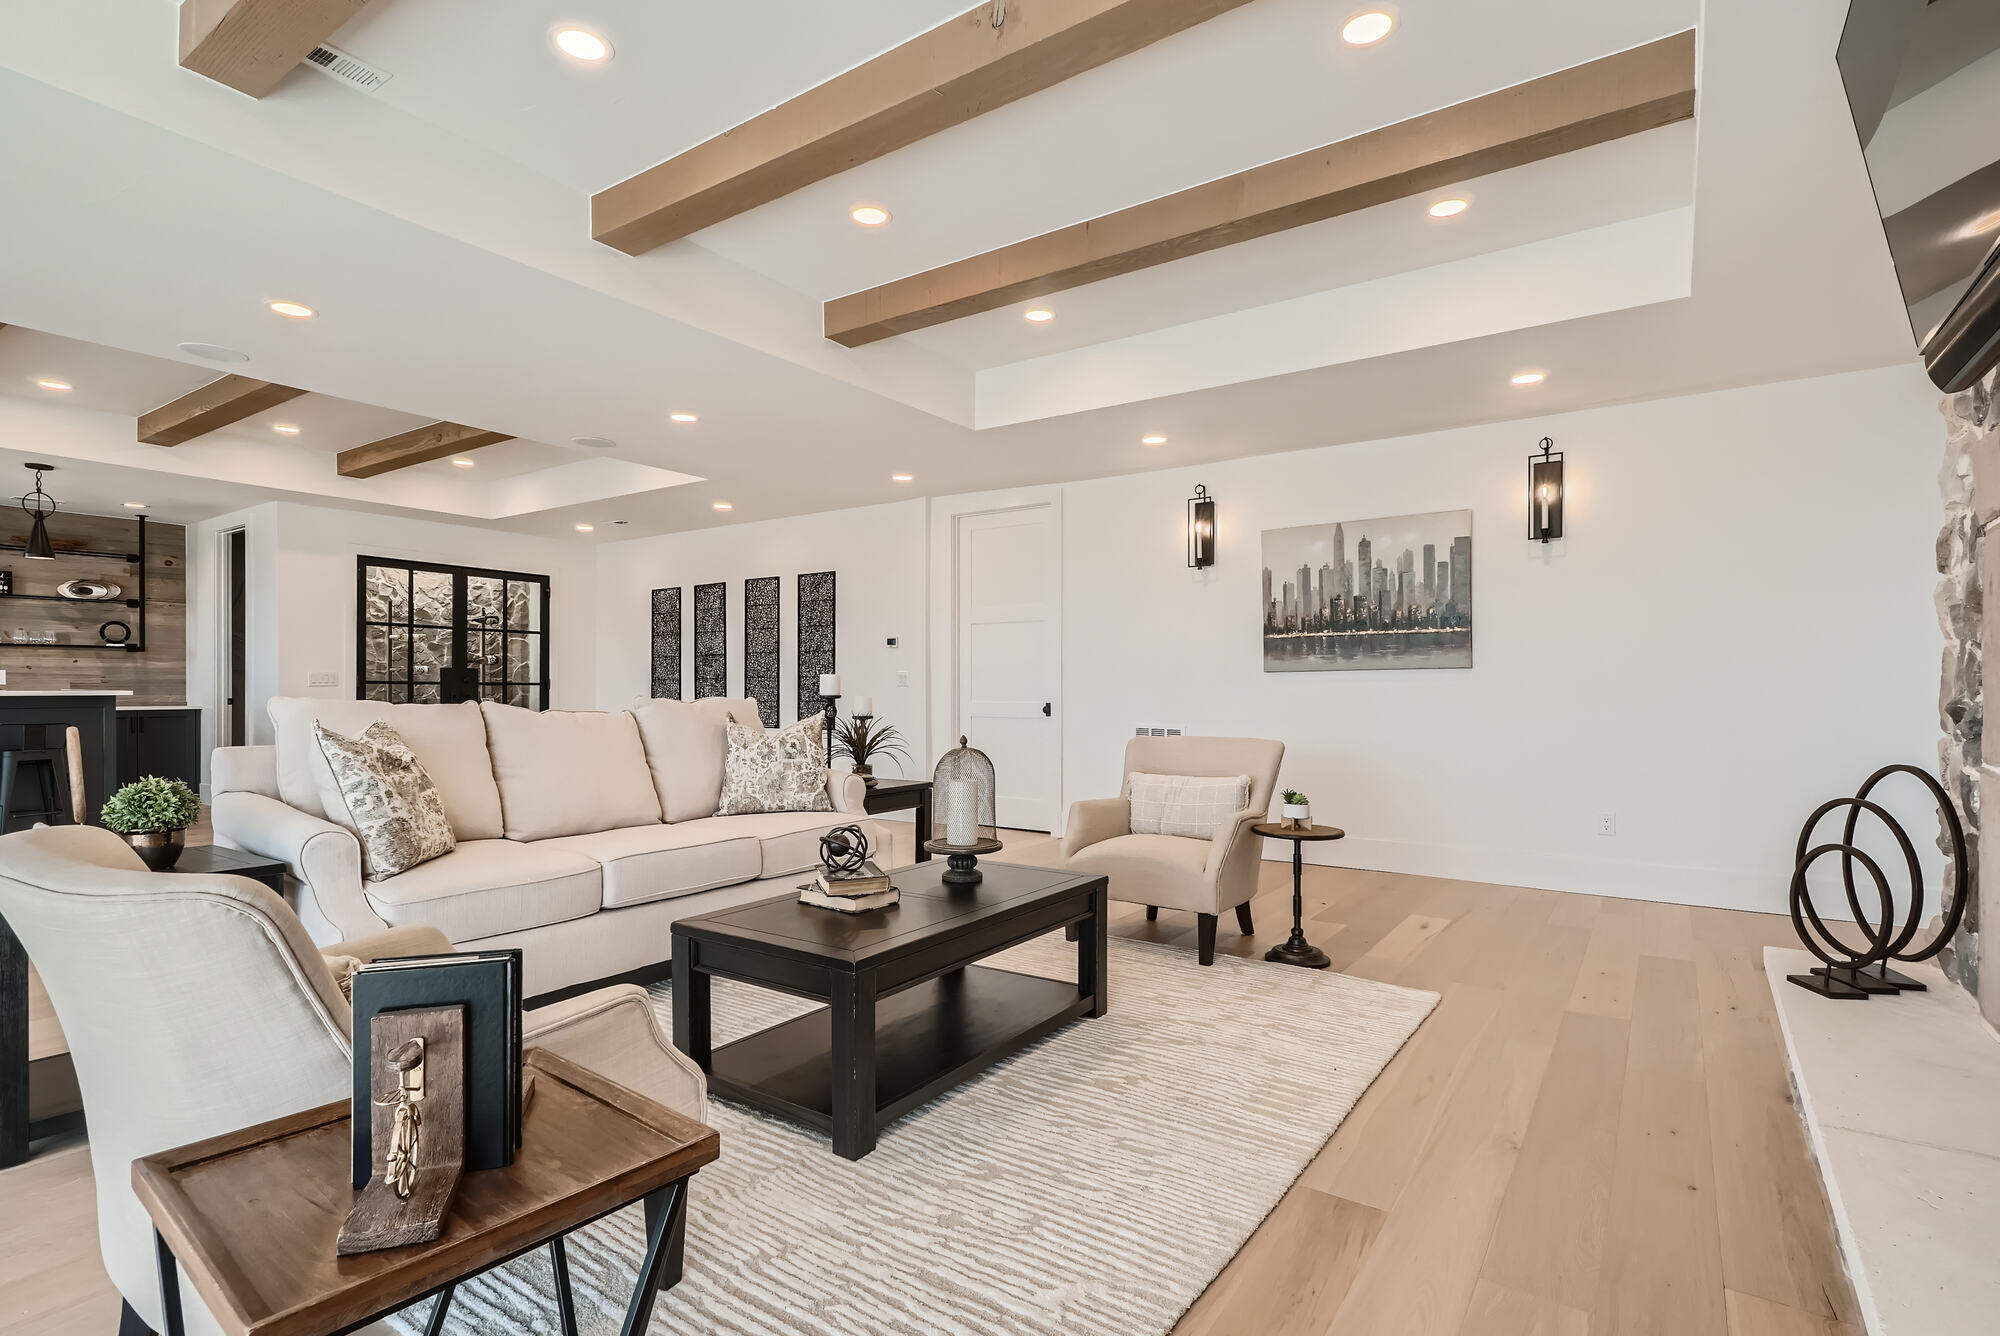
488, 985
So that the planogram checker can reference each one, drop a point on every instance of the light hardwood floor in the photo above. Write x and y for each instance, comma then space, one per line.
1592, 1135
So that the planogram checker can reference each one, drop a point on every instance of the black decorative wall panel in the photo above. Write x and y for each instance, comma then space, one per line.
711, 640
815, 637
760, 645
667, 643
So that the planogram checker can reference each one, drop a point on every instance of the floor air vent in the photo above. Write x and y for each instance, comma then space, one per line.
337, 64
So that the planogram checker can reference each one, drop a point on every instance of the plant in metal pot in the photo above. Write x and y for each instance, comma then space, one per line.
153, 815
861, 739
1298, 808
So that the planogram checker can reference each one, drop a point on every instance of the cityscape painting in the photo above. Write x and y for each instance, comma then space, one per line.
1382, 593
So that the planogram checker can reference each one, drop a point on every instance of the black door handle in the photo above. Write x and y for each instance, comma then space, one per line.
1046, 711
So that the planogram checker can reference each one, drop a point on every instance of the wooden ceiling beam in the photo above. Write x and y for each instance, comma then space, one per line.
414, 447
958, 70
250, 45
210, 408
1623, 94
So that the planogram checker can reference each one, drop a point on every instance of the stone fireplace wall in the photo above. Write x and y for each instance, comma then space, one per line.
1968, 556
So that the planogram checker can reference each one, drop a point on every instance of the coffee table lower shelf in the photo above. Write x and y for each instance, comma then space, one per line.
928, 1038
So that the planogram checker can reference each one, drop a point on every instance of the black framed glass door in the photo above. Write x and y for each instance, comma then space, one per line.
436, 634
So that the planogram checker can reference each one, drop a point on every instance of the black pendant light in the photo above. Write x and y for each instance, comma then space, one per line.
39, 505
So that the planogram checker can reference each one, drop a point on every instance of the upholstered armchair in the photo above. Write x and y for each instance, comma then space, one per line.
195, 1005
1203, 877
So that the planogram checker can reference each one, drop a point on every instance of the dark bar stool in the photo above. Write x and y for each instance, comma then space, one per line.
43, 761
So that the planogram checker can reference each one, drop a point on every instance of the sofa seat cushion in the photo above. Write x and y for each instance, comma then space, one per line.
1164, 870
568, 772
643, 863
485, 887
449, 742
789, 840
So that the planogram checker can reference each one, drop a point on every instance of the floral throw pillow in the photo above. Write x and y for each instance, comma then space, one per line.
783, 770
395, 809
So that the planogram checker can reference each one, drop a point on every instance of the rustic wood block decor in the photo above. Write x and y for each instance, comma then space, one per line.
815, 638
760, 645
417, 1058
667, 644
711, 640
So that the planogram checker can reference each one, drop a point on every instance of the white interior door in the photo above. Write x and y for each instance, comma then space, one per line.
1009, 658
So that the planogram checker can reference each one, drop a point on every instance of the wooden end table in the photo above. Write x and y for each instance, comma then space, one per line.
252, 1216
1296, 950
896, 795
201, 859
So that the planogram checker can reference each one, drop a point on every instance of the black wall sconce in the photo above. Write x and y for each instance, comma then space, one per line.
1545, 493
1201, 528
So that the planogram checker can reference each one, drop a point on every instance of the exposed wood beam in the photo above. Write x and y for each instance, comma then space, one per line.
1623, 94
956, 71
414, 447
210, 408
251, 44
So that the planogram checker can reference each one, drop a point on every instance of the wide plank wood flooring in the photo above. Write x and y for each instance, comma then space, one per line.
1592, 1135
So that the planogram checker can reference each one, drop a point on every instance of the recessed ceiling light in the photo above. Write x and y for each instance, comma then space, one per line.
585, 528
720, 505
1528, 378
50, 383
292, 310
869, 215
582, 44
462, 463
213, 352
594, 442
1154, 439
1039, 315
1449, 208
135, 505
1367, 28
682, 417
1981, 225
284, 429
902, 477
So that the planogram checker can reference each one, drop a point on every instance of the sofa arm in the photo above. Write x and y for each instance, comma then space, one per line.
848, 791
325, 858
614, 1032
1095, 819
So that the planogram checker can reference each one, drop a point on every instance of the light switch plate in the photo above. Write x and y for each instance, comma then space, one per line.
902, 677
323, 680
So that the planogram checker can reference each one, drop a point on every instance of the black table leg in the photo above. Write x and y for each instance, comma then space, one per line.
170, 1288
670, 1273
666, 1220
565, 1305
923, 825
1093, 954
691, 1005
853, 1058
1296, 950
442, 1305
13, 1048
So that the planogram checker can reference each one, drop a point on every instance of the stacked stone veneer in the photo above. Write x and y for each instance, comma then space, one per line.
1968, 557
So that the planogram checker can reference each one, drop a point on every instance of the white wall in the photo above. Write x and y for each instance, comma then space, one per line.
1738, 626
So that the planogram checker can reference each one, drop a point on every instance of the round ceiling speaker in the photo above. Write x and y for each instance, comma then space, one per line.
594, 442
213, 352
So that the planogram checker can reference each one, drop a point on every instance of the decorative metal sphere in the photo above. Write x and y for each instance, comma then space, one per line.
843, 849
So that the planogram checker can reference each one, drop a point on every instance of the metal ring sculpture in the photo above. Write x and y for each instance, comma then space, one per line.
843, 849
1885, 941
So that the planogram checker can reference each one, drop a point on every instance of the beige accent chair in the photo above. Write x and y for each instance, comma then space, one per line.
195, 1005
1204, 877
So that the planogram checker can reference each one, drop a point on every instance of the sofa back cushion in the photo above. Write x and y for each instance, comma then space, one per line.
449, 742
568, 772
686, 741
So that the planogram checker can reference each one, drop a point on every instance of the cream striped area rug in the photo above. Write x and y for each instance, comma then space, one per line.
1092, 1185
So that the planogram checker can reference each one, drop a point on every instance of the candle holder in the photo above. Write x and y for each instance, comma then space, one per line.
829, 713
963, 824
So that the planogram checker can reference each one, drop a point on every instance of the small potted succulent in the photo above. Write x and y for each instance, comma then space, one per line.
153, 815
1298, 809
861, 739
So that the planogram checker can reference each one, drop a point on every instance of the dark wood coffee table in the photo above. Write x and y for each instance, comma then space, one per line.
909, 1014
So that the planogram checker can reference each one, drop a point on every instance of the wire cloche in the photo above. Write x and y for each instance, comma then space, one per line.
962, 813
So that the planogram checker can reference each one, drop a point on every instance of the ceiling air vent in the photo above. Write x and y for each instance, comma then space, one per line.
337, 64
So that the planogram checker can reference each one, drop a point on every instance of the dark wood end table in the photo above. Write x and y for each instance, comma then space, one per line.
203, 859
896, 795
908, 1013
1296, 950
252, 1216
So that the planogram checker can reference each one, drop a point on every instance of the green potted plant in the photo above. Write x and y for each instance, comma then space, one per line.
153, 815
1298, 809
861, 739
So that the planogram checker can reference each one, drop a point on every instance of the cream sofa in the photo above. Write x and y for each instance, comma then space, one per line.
582, 836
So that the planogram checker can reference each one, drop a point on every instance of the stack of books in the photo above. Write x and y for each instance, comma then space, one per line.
850, 892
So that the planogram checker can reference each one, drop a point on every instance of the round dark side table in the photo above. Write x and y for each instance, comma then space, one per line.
1296, 950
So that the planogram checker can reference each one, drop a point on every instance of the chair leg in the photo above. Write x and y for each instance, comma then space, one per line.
1243, 924
1205, 938
131, 1324
1152, 913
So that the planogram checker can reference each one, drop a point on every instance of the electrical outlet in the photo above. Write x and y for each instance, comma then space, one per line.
902, 677
323, 680
1607, 823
